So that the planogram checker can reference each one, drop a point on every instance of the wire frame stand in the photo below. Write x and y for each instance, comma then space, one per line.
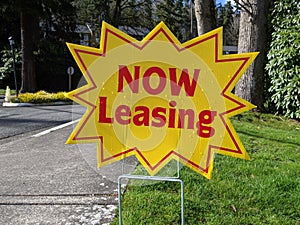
151, 178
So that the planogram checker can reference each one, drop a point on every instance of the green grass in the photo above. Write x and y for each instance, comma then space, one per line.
264, 190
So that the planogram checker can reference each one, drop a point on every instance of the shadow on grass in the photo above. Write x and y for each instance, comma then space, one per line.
281, 140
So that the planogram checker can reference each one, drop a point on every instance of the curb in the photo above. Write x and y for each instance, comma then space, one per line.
11, 104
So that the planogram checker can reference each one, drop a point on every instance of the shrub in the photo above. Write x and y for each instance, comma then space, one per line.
41, 97
283, 65
6, 67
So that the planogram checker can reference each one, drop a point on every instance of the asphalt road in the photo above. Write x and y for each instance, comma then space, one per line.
45, 181
21, 120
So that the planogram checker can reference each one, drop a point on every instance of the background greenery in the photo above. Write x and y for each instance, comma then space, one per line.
59, 22
283, 65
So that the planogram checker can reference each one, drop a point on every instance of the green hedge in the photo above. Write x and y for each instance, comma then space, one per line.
283, 65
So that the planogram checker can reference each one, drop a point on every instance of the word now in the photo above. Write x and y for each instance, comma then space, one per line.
176, 85
159, 117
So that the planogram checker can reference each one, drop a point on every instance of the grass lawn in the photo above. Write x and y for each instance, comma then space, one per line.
264, 190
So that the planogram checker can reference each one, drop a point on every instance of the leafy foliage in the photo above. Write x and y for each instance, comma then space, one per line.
175, 15
6, 66
7, 63
284, 64
135, 14
57, 23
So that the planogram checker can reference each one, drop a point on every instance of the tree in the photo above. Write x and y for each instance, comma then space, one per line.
28, 22
29, 31
229, 19
283, 65
130, 13
57, 26
148, 18
188, 21
56, 17
205, 15
137, 14
253, 38
174, 15
92, 11
9, 26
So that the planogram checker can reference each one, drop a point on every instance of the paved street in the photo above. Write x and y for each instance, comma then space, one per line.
45, 181
18, 120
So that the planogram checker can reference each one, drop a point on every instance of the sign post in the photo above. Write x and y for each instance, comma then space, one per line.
70, 71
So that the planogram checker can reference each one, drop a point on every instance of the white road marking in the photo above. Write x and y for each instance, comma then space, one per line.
55, 128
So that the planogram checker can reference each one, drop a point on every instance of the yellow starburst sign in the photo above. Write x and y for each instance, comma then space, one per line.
159, 99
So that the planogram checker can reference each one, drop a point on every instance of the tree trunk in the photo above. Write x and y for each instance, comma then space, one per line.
253, 38
116, 14
205, 15
29, 25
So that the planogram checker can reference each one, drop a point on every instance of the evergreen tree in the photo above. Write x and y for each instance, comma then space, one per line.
9, 27
31, 13
226, 17
174, 16
148, 17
